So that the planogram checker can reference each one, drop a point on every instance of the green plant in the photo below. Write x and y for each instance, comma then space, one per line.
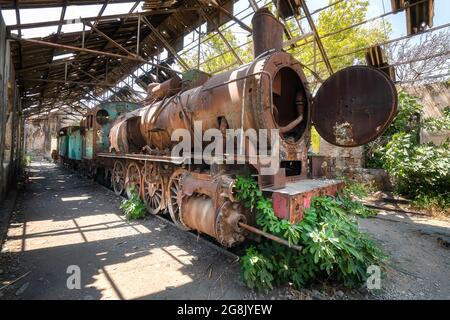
133, 207
357, 189
438, 124
333, 246
350, 198
419, 171
249, 193
257, 269
407, 120
26, 160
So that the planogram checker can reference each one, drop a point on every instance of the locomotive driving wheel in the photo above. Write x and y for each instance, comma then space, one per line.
153, 185
118, 177
133, 180
175, 197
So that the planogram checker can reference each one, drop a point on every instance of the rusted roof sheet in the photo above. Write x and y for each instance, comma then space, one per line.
28, 4
47, 83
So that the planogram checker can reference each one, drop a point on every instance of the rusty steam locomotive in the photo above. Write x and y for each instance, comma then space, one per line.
129, 145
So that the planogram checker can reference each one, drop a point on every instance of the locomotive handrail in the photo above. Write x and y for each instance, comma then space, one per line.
233, 80
269, 236
176, 160
262, 72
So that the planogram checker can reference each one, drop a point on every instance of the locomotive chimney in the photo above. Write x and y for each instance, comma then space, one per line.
267, 32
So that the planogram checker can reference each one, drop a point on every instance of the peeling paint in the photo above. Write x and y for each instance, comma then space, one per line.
343, 132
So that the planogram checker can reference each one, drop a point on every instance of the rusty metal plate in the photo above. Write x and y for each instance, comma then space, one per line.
354, 106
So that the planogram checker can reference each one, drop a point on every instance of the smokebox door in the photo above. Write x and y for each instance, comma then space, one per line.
354, 106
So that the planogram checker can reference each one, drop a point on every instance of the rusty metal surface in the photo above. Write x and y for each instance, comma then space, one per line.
205, 203
198, 213
269, 93
214, 187
354, 106
221, 97
228, 229
269, 236
290, 202
143, 157
157, 91
267, 32
287, 8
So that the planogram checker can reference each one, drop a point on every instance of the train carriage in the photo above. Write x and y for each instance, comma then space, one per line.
63, 143
70, 145
96, 126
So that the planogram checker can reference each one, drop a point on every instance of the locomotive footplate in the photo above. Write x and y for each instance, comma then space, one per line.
291, 201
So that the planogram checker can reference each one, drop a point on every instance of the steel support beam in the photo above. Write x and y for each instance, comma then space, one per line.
69, 81
166, 44
96, 18
114, 43
232, 17
77, 49
206, 18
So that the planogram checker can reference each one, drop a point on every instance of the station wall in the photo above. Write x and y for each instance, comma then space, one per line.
11, 120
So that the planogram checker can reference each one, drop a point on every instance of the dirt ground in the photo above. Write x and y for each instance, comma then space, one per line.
62, 220
419, 258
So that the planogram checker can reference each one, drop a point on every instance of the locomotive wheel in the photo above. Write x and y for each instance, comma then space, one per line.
118, 178
133, 179
153, 189
175, 197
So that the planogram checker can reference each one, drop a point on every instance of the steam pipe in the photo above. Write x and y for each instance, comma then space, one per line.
269, 236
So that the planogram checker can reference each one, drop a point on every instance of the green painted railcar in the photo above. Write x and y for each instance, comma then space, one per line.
63, 143
97, 125
75, 144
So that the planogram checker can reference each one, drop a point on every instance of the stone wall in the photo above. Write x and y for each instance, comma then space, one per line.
11, 121
40, 132
435, 98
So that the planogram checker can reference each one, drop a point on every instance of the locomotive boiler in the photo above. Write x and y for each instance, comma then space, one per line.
352, 107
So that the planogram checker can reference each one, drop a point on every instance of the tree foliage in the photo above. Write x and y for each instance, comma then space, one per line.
215, 55
343, 15
420, 171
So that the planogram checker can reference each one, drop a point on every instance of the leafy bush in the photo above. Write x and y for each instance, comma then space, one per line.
257, 269
419, 171
407, 120
350, 198
333, 246
133, 207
